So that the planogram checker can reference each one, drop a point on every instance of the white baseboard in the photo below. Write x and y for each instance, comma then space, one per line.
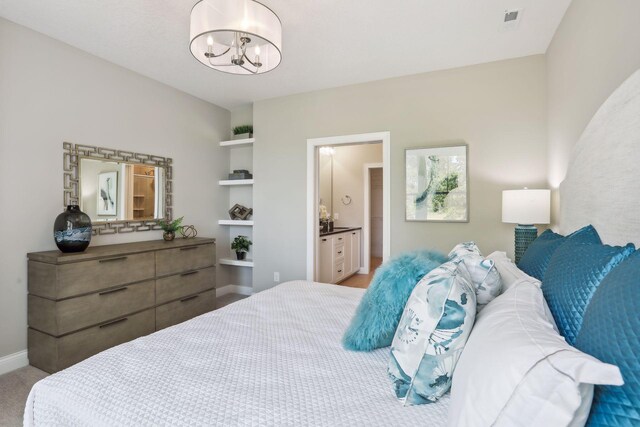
13, 361
363, 270
234, 289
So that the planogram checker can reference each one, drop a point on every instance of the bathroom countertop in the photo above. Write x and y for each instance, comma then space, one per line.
338, 230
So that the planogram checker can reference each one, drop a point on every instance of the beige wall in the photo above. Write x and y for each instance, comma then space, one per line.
50, 93
596, 47
499, 109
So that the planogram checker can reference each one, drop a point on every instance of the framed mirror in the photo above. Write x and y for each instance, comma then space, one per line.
121, 191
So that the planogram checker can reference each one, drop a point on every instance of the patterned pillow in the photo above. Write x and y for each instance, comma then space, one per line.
610, 333
536, 259
573, 275
380, 309
483, 273
461, 250
433, 330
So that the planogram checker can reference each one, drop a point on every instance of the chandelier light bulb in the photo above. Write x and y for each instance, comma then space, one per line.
210, 41
257, 50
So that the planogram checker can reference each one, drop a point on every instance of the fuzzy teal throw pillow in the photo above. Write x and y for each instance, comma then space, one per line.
377, 317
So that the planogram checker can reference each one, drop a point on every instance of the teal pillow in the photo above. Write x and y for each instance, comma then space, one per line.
535, 260
433, 331
574, 273
610, 333
378, 314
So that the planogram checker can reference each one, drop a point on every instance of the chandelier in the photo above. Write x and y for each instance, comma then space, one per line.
236, 36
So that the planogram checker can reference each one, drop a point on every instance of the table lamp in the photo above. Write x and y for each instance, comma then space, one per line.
525, 208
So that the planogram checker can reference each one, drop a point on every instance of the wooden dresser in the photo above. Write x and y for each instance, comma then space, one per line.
83, 303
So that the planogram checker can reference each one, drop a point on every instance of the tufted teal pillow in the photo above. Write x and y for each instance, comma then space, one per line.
535, 260
610, 333
378, 314
432, 333
574, 273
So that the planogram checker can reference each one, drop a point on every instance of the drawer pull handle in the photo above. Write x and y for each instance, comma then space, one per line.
189, 273
188, 248
120, 258
339, 238
324, 240
113, 291
189, 298
339, 271
339, 252
115, 322
353, 233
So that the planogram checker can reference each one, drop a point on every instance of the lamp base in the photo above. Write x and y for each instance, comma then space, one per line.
524, 235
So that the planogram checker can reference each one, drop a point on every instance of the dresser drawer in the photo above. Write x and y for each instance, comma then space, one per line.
180, 260
61, 317
90, 276
180, 285
52, 354
338, 251
184, 309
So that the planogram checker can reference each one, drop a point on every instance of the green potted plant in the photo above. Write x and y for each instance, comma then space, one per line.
243, 132
241, 245
170, 228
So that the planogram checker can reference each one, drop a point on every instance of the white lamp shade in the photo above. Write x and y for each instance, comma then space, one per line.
526, 206
218, 21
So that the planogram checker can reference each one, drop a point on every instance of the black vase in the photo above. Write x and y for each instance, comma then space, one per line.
72, 230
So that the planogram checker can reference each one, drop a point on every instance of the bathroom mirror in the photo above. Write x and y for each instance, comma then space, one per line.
121, 191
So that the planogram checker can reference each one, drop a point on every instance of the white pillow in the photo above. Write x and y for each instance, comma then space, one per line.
432, 332
509, 272
516, 370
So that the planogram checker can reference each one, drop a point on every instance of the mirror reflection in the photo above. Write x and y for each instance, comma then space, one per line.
116, 191
325, 179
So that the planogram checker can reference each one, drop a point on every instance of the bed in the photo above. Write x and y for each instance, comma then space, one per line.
272, 359
276, 358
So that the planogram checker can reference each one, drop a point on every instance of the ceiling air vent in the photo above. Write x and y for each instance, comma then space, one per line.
512, 19
511, 15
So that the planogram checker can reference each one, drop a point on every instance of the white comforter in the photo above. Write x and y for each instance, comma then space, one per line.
272, 359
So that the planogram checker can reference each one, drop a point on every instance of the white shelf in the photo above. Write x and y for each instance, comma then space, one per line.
237, 142
237, 263
235, 222
236, 182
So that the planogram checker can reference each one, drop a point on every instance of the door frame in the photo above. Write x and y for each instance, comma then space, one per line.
366, 230
313, 144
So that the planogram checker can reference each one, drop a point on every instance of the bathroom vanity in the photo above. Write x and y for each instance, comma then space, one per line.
339, 254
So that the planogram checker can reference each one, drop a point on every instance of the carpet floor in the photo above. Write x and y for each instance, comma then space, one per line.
14, 389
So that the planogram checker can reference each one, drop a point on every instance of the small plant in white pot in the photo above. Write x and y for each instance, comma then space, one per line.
243, 132
241, 245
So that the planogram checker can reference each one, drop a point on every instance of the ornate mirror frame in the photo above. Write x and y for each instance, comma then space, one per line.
71, 159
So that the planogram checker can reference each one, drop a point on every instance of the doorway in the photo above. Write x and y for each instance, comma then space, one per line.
340, 199
374, 215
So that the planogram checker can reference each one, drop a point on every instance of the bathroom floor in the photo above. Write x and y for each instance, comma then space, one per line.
363, 280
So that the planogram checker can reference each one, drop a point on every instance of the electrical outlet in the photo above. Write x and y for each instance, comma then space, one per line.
276, 276
336, 216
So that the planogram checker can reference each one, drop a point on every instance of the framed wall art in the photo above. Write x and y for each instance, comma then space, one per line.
108, 193
437, 184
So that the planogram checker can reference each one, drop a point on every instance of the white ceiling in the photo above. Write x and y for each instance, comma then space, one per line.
326, 43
